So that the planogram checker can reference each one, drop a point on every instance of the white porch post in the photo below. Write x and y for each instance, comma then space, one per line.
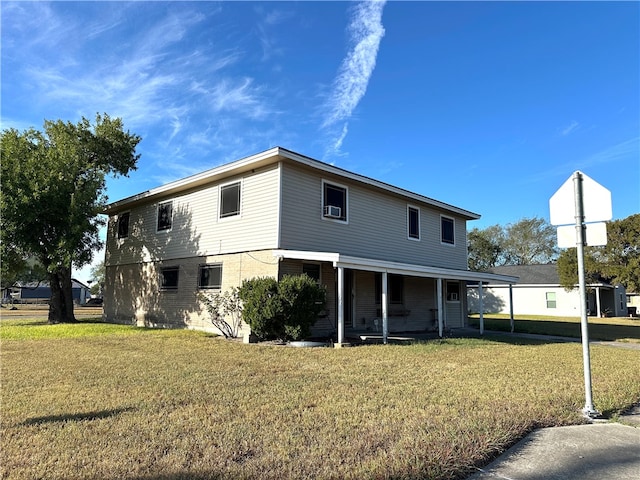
385, 313
440, 309
481, 302
340, 305
511, 307
598, 311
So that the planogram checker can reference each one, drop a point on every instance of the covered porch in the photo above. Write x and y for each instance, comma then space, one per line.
376, 297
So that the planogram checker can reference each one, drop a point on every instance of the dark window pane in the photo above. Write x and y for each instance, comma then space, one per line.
169, 278
210, 276
447, 231
312, 270
414, 222
230, 200
335, 197
165, 213
123, 225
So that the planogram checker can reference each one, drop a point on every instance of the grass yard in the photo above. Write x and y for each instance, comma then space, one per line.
619, 329
123, 403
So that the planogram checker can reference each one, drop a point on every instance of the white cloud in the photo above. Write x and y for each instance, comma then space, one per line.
572, 127
350, 85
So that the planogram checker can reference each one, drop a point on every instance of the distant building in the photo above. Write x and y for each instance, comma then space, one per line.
40, 292
538, 292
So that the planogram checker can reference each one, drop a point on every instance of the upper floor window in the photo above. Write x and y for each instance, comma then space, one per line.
230, 200
334, 202
413, 222
447, 230
169, 278
210, 276
123, 225
165, 216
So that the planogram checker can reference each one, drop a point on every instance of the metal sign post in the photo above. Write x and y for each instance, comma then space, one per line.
598, 200
588, 409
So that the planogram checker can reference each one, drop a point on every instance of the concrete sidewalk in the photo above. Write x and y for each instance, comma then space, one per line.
595, 451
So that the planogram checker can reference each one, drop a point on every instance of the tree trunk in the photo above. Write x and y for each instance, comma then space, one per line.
61, 302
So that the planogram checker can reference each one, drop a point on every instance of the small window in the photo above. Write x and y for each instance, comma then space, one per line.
123, 225
551, 299
312, 270
230, 200
413, 222
447, 230
453, 292
334, 202
210, 276
169, 278
165, 216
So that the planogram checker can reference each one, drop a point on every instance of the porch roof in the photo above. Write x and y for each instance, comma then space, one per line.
375, 265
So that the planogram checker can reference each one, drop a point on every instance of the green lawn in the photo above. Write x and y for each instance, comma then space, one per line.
606, 329
123, 403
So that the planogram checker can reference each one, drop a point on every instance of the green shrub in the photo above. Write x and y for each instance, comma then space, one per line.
261, 307
302, 299
281, 310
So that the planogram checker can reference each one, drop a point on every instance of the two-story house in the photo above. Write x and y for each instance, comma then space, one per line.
391, 260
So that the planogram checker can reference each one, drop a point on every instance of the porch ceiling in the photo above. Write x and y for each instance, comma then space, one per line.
374, 265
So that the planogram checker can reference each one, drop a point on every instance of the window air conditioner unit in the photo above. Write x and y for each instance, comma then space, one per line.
332, 212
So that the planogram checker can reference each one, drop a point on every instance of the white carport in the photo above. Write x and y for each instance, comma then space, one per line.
341, 262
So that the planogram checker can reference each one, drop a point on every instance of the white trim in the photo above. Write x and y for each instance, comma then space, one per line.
375, 265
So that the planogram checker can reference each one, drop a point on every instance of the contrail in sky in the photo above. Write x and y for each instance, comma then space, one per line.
366, 32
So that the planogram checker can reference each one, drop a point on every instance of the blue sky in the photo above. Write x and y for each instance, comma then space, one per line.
489, 106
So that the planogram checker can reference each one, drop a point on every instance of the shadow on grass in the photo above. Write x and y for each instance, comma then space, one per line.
76, 417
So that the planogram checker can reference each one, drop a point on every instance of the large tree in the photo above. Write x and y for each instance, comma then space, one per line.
617, 262
53, 188
525, 242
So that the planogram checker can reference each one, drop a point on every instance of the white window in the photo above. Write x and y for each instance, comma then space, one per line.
334, 201
447, 230
551, 299
413, 222
230, 200
210, 276
165, 216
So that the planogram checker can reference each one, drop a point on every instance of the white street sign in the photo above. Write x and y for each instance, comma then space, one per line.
595, 233
596, 203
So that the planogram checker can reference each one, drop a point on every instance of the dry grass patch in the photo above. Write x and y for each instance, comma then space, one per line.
178, 404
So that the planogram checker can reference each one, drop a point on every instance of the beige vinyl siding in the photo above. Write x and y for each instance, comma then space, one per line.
376, 224
196, 229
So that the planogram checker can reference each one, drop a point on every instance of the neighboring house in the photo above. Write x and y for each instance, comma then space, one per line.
539, 292
41, 292
388, 257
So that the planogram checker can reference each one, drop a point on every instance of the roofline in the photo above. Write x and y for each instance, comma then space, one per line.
372, 264
269, 157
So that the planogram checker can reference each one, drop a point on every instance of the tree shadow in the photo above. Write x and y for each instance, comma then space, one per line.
73, 417
134, 291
